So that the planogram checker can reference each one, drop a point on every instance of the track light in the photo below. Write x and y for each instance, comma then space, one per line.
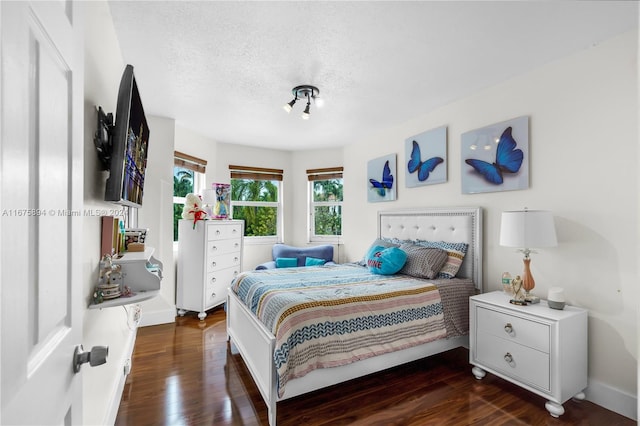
303, 91
305, 113
289, 106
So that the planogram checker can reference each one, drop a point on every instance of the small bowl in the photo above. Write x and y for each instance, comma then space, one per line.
555, 305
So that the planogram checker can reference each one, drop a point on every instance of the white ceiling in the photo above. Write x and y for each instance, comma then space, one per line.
225, 69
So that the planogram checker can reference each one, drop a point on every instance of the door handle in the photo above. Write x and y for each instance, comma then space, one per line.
97, 356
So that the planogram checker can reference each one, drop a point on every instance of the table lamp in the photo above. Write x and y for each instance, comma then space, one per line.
526, 230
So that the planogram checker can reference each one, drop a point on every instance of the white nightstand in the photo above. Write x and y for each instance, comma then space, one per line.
538, 348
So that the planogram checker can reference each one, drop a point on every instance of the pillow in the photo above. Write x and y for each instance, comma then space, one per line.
422, 262
385, 261
314, 261
455, 256
286, 262
382, 242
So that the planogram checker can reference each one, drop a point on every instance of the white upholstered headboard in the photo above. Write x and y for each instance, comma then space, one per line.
453, 225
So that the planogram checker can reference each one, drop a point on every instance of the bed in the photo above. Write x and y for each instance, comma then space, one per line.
263, 353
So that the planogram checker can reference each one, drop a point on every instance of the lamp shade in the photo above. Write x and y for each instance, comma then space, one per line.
527, 229
209, 196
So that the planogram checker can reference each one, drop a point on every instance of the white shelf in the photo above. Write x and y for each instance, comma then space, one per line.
126, 300
143, 281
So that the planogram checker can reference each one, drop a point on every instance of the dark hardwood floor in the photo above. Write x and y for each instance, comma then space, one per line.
185, 374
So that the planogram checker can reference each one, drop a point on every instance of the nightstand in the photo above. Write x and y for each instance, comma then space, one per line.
538, 348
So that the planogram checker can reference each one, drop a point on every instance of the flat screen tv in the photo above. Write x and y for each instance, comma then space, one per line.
129, 145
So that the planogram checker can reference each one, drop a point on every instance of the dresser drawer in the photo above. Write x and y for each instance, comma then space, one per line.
218, 262
217, 285
221, 231
514, 360
512, 328
218, 247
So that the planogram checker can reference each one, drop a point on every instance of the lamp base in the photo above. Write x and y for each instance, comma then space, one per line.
530, 298
528, 283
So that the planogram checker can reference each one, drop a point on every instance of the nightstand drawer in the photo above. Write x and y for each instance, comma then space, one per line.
512, 328
514, 360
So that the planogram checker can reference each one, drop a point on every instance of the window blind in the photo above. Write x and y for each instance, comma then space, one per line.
325, 174
256, 173
190, 162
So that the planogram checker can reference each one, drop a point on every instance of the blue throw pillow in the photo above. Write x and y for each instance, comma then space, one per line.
286, 262
385, 261
314, 261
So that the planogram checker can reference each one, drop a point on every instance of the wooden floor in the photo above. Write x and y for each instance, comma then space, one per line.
185, 374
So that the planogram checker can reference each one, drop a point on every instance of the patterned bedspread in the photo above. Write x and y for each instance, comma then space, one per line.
338, 314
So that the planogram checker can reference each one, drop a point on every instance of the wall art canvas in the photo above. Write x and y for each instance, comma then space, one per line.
496, 158
426, 158
381, 183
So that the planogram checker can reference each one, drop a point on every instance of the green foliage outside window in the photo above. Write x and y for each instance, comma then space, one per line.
328, 215
182, 185
255, 202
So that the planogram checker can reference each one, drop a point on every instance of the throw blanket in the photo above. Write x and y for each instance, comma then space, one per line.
337, 314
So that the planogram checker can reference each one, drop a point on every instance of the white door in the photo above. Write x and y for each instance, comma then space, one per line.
41, 124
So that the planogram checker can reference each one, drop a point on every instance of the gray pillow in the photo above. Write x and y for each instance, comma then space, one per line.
422, 262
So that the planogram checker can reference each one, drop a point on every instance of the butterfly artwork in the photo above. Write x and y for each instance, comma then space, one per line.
432, 146
496, 163
380, 174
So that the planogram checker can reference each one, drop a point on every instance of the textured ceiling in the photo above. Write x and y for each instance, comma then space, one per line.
225, 69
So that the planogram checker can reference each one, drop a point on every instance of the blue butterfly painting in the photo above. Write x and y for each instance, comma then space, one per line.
386, 183
508, 160
422, 167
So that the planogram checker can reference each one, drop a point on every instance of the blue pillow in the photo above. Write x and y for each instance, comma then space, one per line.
314, 261
385, 261
286, 262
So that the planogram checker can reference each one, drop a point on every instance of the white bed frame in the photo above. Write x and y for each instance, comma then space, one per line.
256, 344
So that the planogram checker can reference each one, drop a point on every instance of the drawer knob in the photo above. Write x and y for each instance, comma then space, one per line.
214, 248
217, 232
508, 328
213, 295
234, 231
213, 279
235, 259
213, 263
508, 357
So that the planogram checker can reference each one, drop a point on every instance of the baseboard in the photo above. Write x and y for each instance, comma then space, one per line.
613, 399
156, 317
116, 396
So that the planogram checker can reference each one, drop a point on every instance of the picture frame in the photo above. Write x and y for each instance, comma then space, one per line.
496, 157
426, 158
381, 182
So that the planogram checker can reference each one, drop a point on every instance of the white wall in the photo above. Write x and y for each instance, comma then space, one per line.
583, 167
157, 214
111, 327
114, 327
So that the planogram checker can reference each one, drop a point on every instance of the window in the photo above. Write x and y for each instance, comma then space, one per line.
256, 199
188, 177
325, 204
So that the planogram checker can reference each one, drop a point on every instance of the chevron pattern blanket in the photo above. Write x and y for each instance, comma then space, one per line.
338, 314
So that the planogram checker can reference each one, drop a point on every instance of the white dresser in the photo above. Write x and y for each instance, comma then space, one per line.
209, 257
538, 348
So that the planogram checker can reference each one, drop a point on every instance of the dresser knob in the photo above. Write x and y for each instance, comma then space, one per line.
235, 259
213, 279
508, 357
217, 232
508, 328
214, 248
213, 264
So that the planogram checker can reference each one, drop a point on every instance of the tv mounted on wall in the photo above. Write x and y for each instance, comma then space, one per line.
122, 147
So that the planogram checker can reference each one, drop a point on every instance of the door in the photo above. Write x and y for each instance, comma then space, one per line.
41, 168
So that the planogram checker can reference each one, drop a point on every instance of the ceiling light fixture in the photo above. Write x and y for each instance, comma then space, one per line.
303, 91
